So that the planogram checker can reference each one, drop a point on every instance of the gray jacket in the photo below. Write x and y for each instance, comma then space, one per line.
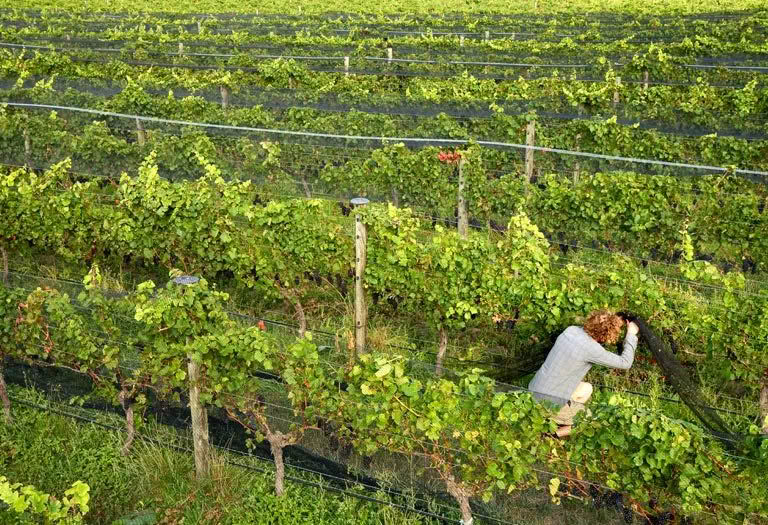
569, 361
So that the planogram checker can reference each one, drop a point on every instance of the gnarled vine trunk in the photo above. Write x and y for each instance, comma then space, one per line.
307, 190
277, 442
4, 394
441, 349
300, 175
461, 495
224, 96
293, 299
130, 428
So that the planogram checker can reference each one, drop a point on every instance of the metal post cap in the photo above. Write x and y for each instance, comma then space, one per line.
186, 279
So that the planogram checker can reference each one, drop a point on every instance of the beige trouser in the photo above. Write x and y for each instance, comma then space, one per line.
575, 405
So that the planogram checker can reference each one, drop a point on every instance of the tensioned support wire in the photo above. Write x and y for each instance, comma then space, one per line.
87, 418
251, 319
324, 475
295, 479
734, 67
406, 140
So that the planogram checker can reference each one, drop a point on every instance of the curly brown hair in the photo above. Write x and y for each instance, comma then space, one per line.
604, 326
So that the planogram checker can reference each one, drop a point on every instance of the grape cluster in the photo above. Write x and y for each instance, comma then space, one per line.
596, 500
611, 500
662, 519
449, 158
344, 209
608, 500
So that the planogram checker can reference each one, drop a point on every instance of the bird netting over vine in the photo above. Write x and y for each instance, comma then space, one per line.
682, 382
72, 92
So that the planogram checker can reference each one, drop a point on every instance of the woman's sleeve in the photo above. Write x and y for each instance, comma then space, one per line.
601, 356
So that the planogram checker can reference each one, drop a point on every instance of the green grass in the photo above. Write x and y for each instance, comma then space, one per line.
51, 451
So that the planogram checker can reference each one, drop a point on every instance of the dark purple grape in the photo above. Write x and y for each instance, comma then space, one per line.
629, 516
597, 500
615, 500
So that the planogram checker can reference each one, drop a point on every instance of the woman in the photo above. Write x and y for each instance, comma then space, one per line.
560, 378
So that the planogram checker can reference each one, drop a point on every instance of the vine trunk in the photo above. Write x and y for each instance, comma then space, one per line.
277, 443
130, 427
442, 347
461, 495
302, 318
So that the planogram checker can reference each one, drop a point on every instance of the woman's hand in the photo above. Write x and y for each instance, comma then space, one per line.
632, 328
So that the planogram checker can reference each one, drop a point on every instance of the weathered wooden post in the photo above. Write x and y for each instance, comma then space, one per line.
462, 204
141, 135
181, 49
346, 66
616, 97
361, 246
27, 145
646, 79
197, 409
461, 40
487, 36
530, 140
389, 55
577, 165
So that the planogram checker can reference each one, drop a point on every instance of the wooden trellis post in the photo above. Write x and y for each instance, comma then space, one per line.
196, 407
462, 203
577, 165
141, 135
199, 423
361, 246
530, 140
389, 55
346, 66
27, 144
616, 96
